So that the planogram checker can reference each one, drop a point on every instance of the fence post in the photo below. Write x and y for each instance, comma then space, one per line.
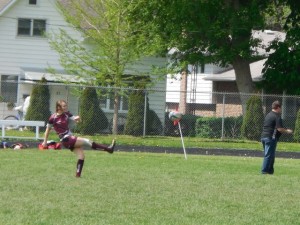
223, 115
283, 105
145, 114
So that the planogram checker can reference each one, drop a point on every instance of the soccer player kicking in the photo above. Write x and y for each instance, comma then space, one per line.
59, 121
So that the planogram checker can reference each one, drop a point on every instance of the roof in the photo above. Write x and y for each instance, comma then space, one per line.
255, 68
266, 37
4, 4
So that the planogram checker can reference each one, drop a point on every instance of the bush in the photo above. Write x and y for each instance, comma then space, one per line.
135, 117
93, 119
297, 128
211, 127
154, 126
39, 102
253, 119
232, 127
187, 124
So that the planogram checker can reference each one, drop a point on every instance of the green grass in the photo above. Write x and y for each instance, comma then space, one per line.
39, 187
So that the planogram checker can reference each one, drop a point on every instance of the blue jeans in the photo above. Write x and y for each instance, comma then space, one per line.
269, 145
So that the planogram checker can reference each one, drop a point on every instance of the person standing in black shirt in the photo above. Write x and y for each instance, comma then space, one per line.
272, 130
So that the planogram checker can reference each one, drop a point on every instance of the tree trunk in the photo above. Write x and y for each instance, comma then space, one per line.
243, 75
183, 93
243, 79
116, 111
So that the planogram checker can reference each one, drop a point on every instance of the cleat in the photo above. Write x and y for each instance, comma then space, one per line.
110, 148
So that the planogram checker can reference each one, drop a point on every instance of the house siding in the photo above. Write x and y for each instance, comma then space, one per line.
19, 52
198, 89
157, 93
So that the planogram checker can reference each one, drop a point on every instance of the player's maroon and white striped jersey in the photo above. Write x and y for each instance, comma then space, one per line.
60, 123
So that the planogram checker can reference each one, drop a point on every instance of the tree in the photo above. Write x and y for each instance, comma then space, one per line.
276, 14
281, 71
39, 107
93, 119
110, 45
253, 119
214, 31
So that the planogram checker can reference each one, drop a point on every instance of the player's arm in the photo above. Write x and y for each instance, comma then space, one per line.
72, 117
46, 135
280, 127
75, 118
284, 130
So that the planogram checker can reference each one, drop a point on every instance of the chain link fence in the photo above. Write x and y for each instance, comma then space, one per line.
145, 112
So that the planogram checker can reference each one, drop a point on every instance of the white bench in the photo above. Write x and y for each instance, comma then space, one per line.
27, 123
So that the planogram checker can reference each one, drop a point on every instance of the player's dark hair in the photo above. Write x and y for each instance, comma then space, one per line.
276, 105
58, 104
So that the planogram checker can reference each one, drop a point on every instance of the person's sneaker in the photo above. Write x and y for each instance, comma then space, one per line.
111, 147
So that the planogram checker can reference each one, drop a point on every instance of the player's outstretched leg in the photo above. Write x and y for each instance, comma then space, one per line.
109, 149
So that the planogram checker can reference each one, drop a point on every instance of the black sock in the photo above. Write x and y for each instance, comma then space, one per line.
79, 167
99, 146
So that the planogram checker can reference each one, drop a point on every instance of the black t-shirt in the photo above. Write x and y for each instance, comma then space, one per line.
272, 122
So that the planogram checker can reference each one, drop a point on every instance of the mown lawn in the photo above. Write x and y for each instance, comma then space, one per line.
39, 187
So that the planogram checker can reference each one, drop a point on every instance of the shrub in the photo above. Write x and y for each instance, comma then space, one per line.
135, 117
253, 119
209, 127
39, 102
232, 127
297, 128
187, 124
154, 126
93, 119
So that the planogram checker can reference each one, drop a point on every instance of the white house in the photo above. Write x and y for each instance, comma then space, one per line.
26, 55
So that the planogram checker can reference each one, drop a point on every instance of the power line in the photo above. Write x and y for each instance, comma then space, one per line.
77, 27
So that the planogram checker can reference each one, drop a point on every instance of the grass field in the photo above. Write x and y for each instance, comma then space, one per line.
39, 187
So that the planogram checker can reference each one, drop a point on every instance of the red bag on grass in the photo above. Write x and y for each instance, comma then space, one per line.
50, 145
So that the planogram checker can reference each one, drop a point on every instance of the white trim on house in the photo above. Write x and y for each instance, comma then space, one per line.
34, 74
5, 5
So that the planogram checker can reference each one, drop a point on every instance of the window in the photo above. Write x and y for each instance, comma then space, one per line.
123, 103
9, 88
32, 2
107, 102
107, 96
39, 27
202, 68
31, 27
